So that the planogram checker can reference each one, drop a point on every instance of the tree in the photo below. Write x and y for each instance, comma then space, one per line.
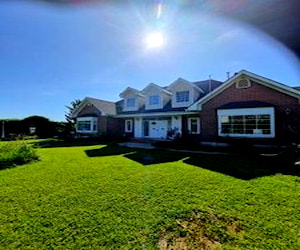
70, 120
38, 125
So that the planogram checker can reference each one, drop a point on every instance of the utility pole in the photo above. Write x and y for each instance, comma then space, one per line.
228, 75
3, 130
209, 84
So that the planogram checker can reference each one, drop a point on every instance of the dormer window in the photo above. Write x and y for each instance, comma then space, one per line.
154, 100
182, 96
130, 103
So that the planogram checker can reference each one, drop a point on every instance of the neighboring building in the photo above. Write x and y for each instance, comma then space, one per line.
245, 106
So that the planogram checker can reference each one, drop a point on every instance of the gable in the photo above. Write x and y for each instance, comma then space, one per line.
153, 88
181, 84
255, 94
130, 92
89, 110
94, 106
265, 86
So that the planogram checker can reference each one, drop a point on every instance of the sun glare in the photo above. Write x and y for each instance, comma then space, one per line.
154, 40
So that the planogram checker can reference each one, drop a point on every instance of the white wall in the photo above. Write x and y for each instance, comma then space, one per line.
138, 129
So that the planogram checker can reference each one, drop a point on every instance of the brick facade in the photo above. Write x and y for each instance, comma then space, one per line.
107, 126
287, 110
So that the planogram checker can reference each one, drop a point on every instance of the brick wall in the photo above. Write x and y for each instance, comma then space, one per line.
287, 110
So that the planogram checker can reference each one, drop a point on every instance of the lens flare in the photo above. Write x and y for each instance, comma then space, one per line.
154, 40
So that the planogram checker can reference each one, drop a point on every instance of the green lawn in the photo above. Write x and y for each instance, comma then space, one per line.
103, 197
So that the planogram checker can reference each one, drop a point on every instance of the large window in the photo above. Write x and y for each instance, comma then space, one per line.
194, 125
86, 125
153, 99
182, 96
130, 103
247, 122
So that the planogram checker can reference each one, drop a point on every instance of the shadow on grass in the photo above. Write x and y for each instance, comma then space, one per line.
244, 167
142, 156
240, 166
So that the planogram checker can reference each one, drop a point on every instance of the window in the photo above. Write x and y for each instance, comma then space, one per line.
87, 124
84, 125
243, 83
182, 96
194, 125
128, 126
153, 100
247, 123
130, 103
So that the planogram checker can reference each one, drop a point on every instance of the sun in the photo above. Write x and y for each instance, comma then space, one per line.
154, 40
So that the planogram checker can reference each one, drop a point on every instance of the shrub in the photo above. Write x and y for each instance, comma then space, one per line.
16, 153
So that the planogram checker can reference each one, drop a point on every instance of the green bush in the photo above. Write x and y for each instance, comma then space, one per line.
16, 153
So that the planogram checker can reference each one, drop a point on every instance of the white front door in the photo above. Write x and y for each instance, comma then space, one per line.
158, 129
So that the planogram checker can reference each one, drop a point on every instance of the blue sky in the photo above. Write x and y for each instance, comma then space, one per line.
53, 54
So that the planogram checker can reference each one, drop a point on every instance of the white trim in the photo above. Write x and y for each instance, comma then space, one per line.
159, 105
248, 111
181, 80
130, 90
131, 126
153, 85
238, 86
190, 125
259, 79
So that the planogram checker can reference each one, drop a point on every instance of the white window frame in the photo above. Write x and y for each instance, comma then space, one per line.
93, 124
177, 93
127, 101
190, 125
248, 111
131, 126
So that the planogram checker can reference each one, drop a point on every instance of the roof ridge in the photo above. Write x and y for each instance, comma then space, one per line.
99, 100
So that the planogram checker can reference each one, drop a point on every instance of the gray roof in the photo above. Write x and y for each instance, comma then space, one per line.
204, 85
143, 110
297, 88
109, 108
106, 107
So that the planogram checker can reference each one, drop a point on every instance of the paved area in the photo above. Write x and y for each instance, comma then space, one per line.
137, 145
145, 145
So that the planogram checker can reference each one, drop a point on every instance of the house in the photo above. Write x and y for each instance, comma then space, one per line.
245, 106
96, 117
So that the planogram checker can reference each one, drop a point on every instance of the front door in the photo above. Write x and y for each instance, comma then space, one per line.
158, 129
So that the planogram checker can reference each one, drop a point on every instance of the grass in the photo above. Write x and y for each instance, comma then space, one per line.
103, 197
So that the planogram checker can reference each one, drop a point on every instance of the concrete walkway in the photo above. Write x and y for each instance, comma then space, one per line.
137, 145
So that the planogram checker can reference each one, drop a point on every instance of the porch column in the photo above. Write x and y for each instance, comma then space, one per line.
138, 129
176, 122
